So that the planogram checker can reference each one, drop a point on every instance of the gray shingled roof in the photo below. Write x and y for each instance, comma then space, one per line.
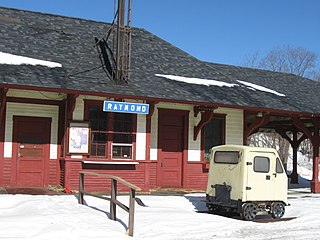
65, 40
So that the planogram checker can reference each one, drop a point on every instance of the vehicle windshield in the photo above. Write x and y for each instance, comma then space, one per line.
227, 157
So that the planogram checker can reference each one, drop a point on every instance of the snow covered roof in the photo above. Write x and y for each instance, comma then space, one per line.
159, 70
11, 59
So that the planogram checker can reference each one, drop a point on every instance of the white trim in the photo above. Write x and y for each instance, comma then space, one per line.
120, 163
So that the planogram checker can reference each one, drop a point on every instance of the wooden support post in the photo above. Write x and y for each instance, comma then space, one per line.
315, 185
294, 174
295, 143
314, 137
81, 188
71, 104
113, 206
254, 127
131, 211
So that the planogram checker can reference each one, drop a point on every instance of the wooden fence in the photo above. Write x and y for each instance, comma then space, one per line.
113, 199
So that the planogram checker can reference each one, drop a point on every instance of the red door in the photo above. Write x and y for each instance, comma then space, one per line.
171, 140
32, 140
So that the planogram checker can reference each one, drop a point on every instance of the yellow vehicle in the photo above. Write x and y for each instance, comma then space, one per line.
246, 180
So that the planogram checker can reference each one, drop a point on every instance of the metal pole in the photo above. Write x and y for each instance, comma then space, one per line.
120, 27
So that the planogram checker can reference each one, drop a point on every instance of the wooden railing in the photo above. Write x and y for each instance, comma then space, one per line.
113, 199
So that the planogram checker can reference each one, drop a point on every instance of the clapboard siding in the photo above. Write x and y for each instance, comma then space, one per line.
234, 125
131, 173
35, 94
7, 171
197, 177
153, 175
141, 138
53, 172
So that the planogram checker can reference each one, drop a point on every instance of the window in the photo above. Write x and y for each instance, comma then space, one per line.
122, 136
213, 134
112, 134
261, 164
227, 157
279, 168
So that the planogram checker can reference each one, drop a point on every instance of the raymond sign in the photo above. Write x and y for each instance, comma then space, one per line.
125, 107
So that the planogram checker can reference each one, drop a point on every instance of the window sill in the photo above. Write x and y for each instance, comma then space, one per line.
115, 162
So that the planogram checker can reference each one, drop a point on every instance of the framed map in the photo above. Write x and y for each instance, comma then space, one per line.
79, 137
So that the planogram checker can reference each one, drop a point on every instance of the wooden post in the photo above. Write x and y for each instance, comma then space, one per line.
131, 211
81, 188
315, 186
113, 210
113, 198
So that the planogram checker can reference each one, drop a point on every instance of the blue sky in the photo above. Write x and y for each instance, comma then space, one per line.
221, 31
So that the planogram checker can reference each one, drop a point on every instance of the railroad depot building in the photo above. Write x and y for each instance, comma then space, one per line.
159, 125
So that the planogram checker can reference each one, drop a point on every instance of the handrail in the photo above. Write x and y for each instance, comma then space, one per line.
113, 199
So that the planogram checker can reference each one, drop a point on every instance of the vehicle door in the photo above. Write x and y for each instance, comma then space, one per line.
260, 179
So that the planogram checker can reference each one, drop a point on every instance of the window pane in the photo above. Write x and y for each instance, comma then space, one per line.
279, 168
101, 150
122, 138
213, 135
93, 149
226, 157
261, 164
98, 121
121, 152
98, 118
98, 137
122, 122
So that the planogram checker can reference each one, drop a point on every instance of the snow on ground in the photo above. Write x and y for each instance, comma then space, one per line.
165, 217
44, 217
304, 166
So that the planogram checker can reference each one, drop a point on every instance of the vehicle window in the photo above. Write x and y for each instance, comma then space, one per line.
279, 168
261, 164
228, 157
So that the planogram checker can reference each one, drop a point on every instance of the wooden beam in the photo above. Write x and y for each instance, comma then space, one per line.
71, 104
151, 108
260, 121
205, 118
299, 124
3, 97
198, 109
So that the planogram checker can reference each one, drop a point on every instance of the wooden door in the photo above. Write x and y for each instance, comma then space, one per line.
171, 141
32, 141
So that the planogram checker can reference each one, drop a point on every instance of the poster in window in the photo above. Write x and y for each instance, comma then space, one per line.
79, 137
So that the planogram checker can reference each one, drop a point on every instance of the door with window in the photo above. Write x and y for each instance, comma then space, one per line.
171, 141
261, 174
31, 138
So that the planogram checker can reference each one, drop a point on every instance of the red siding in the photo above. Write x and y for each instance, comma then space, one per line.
153, 174
134, 174
197, 177
53, 172
7, 171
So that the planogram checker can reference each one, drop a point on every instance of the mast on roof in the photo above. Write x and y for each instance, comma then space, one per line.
123, 41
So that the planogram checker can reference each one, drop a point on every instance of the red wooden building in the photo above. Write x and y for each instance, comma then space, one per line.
52, 123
